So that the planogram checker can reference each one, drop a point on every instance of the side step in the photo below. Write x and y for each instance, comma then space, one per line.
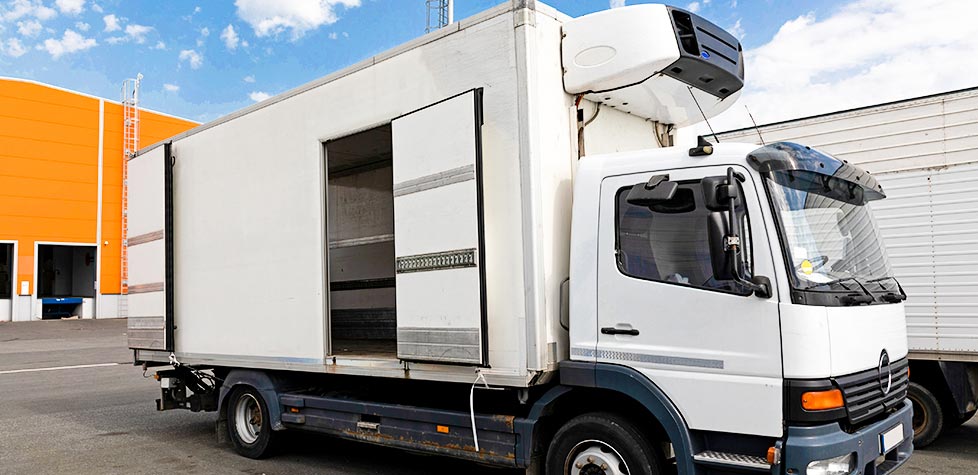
728, 460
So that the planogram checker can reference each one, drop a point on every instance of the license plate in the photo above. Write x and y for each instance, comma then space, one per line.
891, 438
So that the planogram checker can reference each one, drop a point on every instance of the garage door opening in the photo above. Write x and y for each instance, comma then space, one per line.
360, 225
66, 280
6, 281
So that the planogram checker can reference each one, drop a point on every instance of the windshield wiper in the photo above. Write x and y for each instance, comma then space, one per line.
867, 296
890, 297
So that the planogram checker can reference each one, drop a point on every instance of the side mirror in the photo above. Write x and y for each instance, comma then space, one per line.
726, 203
656, 190
717, 229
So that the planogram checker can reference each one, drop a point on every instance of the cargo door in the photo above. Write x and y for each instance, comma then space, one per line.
438, 232
149, 248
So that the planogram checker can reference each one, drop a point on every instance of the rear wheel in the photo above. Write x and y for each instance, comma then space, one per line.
248, 423
928, 418
602, 444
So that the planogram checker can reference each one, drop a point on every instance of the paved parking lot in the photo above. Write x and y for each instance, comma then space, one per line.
102, 420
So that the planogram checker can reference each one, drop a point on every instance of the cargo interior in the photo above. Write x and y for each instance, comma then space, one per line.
360, 226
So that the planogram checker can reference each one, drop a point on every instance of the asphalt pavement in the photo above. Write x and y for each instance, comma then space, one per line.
70, 402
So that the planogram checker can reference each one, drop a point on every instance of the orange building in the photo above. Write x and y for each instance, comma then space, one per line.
61, 155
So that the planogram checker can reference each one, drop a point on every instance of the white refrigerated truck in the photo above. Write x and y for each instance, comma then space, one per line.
417, 252
924, 151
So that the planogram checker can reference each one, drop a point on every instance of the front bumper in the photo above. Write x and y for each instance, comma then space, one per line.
806, 444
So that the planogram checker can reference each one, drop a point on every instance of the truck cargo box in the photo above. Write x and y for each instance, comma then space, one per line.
408, 216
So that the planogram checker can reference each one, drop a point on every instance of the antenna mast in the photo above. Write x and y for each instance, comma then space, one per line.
130, 144
441, 13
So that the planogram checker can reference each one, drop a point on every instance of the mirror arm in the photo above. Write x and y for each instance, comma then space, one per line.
732, 243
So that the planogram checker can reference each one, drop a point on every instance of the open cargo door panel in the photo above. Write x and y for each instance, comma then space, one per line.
150, 250
438, 232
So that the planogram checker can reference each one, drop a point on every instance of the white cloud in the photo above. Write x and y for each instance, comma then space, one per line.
193, 58
171, 87
249, 79
17, 9
259, 96
138, 32
70, 7
96, 8
204, 33
866, 52
29, 28
160, 45
334, 35
230, 38
274, 17
737, 30
70, 42
13, 48
693, 7
82, 26
196, 10
116, 40
616, 3
111, 23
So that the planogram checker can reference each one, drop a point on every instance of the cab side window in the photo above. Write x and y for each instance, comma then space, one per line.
668, 242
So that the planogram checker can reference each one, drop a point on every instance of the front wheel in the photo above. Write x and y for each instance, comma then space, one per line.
248, 423
602, 444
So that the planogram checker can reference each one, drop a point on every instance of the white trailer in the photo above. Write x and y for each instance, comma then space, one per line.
416, 251
924, 151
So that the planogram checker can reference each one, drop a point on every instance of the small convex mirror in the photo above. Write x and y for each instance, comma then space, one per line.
656, 190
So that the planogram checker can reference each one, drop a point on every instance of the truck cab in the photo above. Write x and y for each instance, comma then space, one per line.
751, 286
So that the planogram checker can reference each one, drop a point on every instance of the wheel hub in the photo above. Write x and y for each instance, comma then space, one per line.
247, 419
594, 457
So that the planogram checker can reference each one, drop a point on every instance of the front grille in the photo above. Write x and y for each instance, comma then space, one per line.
864, 396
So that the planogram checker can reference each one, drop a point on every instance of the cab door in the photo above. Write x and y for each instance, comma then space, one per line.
713, 348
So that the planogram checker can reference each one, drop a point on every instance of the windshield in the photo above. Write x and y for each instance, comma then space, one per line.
831, 240
827, 239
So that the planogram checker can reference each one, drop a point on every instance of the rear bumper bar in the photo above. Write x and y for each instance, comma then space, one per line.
807, 444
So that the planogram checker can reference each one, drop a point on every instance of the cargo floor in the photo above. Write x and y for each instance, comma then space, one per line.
365, 348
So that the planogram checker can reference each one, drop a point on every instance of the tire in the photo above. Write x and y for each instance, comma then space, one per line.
928, 418
249, 425
602, 444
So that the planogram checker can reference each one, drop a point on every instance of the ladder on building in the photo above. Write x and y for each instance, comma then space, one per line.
440, 14
130, 144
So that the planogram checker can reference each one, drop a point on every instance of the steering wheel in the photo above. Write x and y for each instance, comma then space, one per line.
822, 260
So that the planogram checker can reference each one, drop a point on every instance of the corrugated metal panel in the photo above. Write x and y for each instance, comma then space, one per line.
925, 154
931, 233
933, 131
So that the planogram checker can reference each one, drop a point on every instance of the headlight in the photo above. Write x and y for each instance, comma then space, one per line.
835, 466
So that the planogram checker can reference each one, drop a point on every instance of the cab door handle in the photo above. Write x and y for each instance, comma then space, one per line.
619, 331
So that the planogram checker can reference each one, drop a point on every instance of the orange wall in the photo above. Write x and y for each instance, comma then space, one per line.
49, 171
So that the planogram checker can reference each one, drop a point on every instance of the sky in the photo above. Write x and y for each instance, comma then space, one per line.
204, 59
